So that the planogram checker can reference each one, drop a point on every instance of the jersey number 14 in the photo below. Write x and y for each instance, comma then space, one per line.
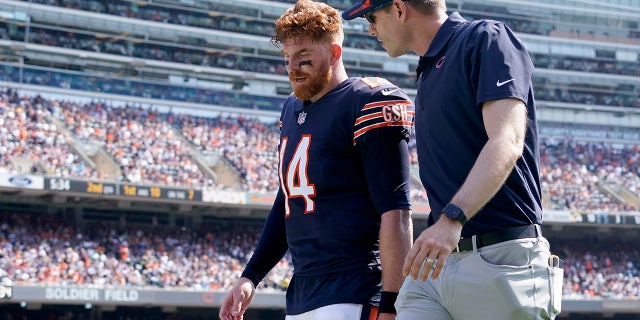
295, 180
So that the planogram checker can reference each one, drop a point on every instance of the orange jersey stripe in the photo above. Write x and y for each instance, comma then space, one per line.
368, 117
379, 114
381, 125
386, 102
374, 313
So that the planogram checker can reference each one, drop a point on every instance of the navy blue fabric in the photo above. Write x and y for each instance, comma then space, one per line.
359, 286
354, 160
467, 64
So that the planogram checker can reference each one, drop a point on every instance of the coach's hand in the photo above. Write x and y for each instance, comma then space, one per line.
238, 300
431, 249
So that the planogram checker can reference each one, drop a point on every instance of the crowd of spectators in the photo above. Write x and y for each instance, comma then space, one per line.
38, 249
149, 147
248, 144
49, 249
600, 269
30, 140
157, 148
143, 143
144, 146
153, 147
573, 171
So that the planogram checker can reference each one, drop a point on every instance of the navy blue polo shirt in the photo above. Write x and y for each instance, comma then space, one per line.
469, 63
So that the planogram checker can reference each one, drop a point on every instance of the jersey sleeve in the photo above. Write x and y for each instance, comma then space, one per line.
381, 134
387, 111
272, 244
387, 167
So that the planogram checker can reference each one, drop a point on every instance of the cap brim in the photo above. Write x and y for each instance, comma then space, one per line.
356, 11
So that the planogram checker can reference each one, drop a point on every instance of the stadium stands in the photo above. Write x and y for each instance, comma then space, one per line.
124, 94
53, 250
572, 172
154, 147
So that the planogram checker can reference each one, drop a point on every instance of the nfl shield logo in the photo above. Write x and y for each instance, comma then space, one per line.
301, 117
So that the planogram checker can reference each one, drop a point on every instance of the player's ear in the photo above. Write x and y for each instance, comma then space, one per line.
336, 53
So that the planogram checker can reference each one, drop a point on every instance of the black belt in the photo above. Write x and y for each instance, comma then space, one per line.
493, 237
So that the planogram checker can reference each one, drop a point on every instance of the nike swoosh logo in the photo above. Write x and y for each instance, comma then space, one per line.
386, 92
500, 84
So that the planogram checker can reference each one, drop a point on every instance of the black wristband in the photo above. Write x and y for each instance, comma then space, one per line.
387, 301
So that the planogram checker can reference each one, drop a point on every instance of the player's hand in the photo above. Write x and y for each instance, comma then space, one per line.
238, 300
431, 249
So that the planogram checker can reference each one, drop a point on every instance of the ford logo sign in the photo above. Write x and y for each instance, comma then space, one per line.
20, 181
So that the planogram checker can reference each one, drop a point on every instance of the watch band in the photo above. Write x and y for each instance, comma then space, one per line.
454, 213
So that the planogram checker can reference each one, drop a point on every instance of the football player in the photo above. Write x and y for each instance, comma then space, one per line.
343, 206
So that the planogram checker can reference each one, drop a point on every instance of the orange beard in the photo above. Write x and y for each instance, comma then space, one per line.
313, 85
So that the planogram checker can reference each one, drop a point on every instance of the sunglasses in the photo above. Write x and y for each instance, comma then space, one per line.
369, 15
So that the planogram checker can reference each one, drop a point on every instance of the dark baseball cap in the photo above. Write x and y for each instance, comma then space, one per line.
363, 7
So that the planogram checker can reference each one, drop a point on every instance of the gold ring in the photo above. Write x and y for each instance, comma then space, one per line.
431, 261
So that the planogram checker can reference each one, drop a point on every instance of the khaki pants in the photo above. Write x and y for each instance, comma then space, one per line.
505, 281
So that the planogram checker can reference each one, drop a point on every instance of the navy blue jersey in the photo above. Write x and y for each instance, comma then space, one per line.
467, 64
343, 163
